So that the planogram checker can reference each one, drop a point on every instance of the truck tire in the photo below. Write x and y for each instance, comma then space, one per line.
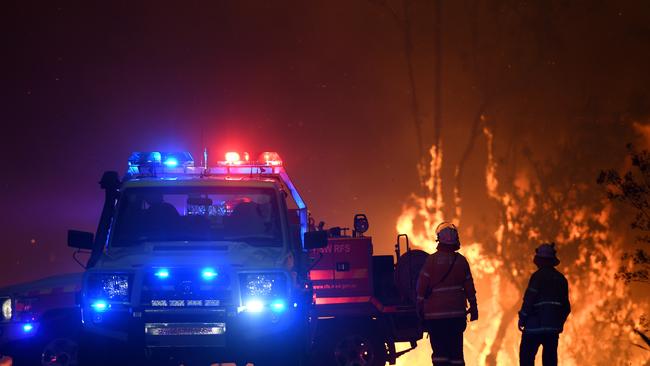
360, 350
349, 346
55, 344
59, 338
60, 352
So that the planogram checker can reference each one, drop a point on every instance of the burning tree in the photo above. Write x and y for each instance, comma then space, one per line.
537, 200
553, 200
633, 190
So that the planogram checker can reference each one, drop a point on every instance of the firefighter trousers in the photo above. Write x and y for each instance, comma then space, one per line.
530, 344
446, 336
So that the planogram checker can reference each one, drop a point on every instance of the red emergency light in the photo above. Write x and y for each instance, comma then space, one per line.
270, 158
232, 158
267, 158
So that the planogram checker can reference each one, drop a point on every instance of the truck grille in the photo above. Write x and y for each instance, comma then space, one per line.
184, 288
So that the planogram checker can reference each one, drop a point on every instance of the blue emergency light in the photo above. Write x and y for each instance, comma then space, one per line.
150, 162
171, 162
99, 306
255, 306
28, 327
209, 274
278, 306
162, 273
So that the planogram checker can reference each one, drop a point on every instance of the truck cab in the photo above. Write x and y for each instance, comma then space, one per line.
199, 262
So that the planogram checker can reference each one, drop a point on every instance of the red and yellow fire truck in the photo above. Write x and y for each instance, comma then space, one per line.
205, 263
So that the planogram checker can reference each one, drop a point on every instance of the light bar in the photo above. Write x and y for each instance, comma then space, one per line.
162, 162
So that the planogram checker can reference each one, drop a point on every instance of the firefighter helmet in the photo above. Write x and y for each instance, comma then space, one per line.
546, 253
448, 234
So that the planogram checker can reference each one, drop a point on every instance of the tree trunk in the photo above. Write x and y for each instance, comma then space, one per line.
506, 320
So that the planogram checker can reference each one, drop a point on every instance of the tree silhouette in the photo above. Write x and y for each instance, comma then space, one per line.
633, 190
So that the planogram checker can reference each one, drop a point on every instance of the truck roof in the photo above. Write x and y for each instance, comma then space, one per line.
156, 168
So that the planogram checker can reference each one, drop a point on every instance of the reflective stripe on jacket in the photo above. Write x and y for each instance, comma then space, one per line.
446, 299
546, 303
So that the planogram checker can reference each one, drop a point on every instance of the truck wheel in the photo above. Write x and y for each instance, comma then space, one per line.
50, 347
60, 352
360, 350
345, 347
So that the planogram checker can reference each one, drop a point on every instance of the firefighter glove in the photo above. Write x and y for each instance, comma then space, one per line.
473, 313
473, 309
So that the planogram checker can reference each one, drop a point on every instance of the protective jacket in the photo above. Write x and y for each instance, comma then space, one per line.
445, 286
546, 303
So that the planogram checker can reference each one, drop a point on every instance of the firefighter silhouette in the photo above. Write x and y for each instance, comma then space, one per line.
444, 290
544, 310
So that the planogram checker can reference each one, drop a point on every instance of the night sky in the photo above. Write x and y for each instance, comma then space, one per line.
324, 83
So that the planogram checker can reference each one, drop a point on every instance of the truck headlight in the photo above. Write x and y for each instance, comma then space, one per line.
7, 309
108, 286
262, 290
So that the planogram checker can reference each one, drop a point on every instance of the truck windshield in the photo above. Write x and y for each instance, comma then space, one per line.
164, 214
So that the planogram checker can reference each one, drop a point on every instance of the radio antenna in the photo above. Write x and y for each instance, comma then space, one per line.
205, 151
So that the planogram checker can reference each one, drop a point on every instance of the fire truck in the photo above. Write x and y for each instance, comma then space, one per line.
204, 263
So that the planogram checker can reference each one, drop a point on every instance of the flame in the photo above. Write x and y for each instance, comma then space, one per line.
428, 209
491, 181
599, 329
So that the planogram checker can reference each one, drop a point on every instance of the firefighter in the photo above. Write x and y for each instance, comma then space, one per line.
444, 289
544, 310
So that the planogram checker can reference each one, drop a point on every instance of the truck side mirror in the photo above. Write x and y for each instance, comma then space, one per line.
315, 239
80, 239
